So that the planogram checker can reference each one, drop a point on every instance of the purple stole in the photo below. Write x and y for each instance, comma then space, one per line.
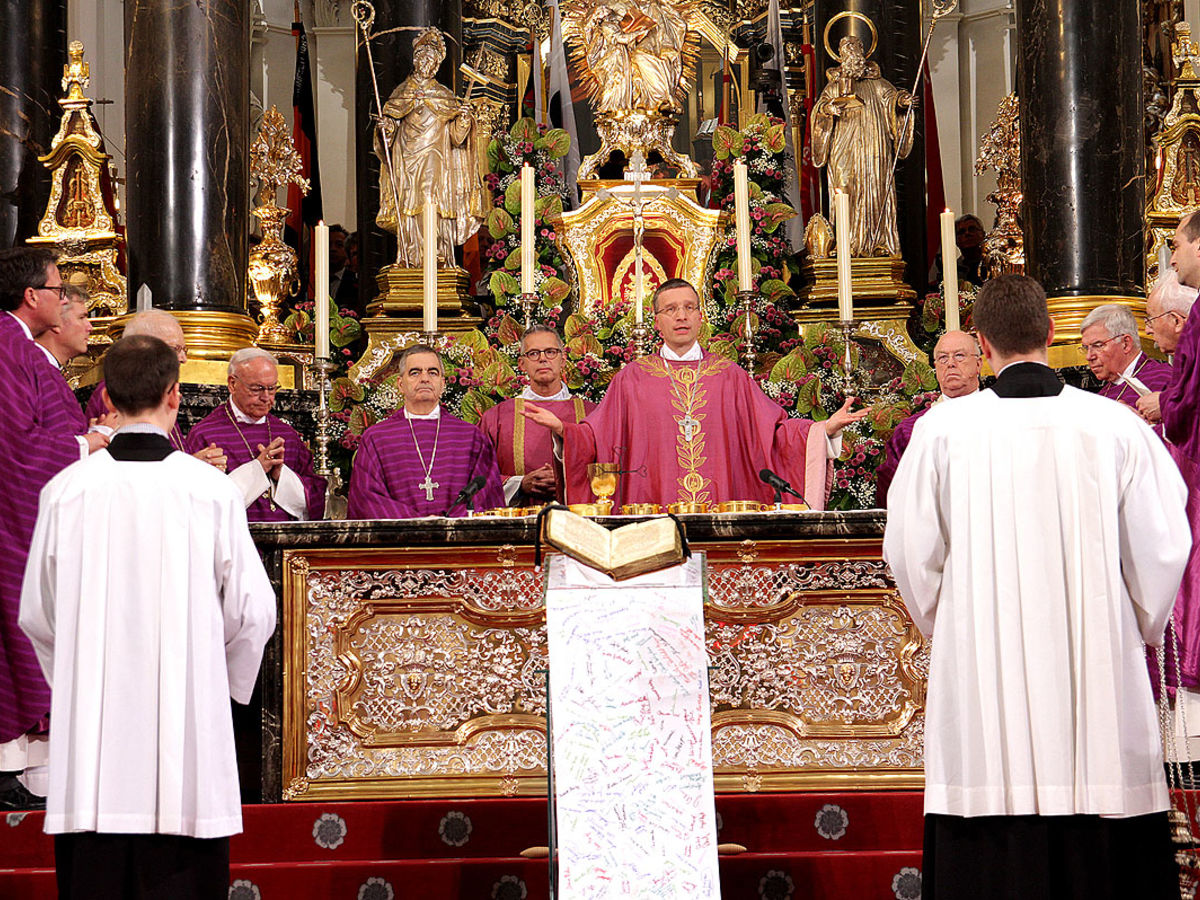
1150, 372
398, 475
240, 442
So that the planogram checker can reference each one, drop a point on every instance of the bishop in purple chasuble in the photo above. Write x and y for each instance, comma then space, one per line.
407, 468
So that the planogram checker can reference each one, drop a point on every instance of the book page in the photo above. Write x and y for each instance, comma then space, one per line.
573, 534
643, 540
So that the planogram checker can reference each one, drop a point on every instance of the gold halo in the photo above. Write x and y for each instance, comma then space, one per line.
851, 14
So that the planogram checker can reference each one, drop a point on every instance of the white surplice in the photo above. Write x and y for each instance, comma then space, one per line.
1039, 540
143, 641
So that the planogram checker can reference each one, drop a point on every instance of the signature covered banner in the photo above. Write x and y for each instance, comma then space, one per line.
631, 732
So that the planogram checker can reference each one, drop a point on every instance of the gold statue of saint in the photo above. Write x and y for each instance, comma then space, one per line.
858, 125
636, 52
426, 141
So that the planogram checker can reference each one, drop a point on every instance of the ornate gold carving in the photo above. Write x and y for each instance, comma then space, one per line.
273, 275
748, 551
80, 218
1000, 149
403, 678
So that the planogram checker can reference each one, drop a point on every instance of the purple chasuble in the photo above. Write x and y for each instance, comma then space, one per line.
892, 451
387, 478
695, 432
240, 441
1180, 399
95, 409
37, 440
1153, 374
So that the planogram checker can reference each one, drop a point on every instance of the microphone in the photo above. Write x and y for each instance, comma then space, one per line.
781, 486
467, 494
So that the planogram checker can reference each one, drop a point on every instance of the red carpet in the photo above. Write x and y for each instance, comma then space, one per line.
849, 846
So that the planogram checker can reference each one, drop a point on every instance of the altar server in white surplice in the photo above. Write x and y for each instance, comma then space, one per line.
148, 607
1038, 533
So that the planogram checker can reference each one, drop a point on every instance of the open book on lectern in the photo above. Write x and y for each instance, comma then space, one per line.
622, 553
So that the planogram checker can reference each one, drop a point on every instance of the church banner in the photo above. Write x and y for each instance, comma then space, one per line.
631, 733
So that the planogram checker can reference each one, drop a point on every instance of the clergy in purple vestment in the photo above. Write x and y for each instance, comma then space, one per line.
525, 450
41, 432
956, 362
160, 324
1113, 351
420, 460
1176, 331
267, 458
692, 427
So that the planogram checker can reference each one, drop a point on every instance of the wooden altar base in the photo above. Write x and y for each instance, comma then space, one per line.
411, 656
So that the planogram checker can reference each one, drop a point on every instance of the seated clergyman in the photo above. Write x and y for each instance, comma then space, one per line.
525, 449
419, 461
267, 458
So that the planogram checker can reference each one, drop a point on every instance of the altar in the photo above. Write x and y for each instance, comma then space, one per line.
411, 660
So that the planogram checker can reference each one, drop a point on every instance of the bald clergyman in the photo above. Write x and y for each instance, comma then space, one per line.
956, 362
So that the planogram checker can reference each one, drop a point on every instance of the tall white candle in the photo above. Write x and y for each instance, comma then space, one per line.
527, 219
741, 211
845, 278
321, 293
950, 271
429, 263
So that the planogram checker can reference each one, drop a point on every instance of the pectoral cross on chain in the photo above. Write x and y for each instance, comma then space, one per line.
688, 426
428, 486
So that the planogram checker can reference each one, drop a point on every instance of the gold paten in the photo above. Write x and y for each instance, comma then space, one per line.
585, 509
81, 217
687, 508
1000, 149
1176, 153
414, 672
641, 509
739, 506
272, 268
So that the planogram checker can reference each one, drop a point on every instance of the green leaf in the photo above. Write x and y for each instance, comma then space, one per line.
726, 141
360, 420
500, 223
343, 392
472, 340
582, 344
808, 398
524, 130
512, 262
574, 325
474, 404
502, 285
512, 197
791, 368
775, 140
556, 142
918, 376
297, 321
344, 331
549, 208
774, 291
726, 347
493, 155
509, 331
555, 290
757, 122
775, 214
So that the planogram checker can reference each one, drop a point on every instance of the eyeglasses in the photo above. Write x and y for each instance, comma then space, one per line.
943, 359
180, 349
687, 309
1099, 345
1169, 312
60, 289
258, 390
548, 353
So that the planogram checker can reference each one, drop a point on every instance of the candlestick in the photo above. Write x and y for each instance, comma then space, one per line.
335, 504
747, 300
741, 210
527, 222
641, 335
527, 302
429, 264
845, 278
950, 271
321, 295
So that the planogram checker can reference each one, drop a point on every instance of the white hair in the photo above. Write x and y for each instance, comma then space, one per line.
1116, 319
1174, 296
154, 322
247, 355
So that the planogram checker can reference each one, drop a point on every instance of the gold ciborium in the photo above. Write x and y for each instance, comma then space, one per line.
604, 484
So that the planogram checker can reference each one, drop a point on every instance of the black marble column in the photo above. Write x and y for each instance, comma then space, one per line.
33, 51
1079, 78
392, 55
898, 23
187, 123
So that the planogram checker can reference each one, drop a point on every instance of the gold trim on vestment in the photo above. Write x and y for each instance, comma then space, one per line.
519, 430
688, 397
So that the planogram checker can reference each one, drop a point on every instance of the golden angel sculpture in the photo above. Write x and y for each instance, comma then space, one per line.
858, 125
427, 142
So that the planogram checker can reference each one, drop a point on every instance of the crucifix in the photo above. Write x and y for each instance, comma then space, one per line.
428, 486
688, 426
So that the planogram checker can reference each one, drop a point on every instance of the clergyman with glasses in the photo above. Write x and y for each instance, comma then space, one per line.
1113, 350
956, 362
266, 458
524, 449
688, 426
41, 435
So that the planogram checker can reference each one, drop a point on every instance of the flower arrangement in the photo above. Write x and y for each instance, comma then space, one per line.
931, 314
344, 330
